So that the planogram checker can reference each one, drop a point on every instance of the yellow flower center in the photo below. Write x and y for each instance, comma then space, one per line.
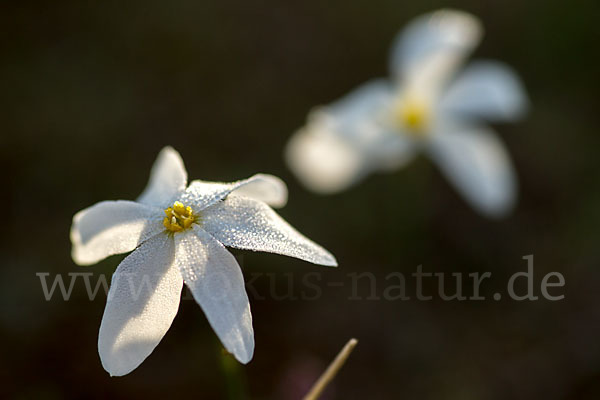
179, 217
413, 116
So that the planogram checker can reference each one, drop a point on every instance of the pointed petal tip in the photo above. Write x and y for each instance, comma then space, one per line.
243, 354
168, 149
113, 367
326, 260
112, 374
117, 363
268, 176
499, 211
323, 163
116, 373
456, 13
503, 205
274, 190
79, 259
464, 18
245, 358
330, 262
168, 177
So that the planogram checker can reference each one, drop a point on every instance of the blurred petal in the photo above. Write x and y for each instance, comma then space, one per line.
348, 139
477, 163
486, 89
268, 188
112, 227
361, 106
141, 305
252, 225
427, 52
362, 118
324, 162
167, 179
217, 284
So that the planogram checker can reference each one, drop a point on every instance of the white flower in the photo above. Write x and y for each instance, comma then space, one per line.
178, 235
425, 107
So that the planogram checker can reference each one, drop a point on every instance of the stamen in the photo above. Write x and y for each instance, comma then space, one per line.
179, 217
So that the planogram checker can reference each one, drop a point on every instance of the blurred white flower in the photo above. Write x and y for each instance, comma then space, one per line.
178, 236
427, 106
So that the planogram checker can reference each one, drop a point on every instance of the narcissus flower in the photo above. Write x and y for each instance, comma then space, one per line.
178, 235
426, 106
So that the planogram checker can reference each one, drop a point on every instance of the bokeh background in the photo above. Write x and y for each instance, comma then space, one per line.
91, 91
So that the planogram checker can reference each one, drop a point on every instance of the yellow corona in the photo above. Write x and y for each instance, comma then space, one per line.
413, 117
179, 217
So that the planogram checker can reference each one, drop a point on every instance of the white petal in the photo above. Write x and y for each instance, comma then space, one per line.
324, 163
486, 89
251, 225
112, 227
217, 284
268, 188
362, 105
348, 139
427, 52
363, 120
141, 305
476, 162
167, 179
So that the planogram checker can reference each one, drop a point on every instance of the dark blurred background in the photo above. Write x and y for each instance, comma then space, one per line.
90, 92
